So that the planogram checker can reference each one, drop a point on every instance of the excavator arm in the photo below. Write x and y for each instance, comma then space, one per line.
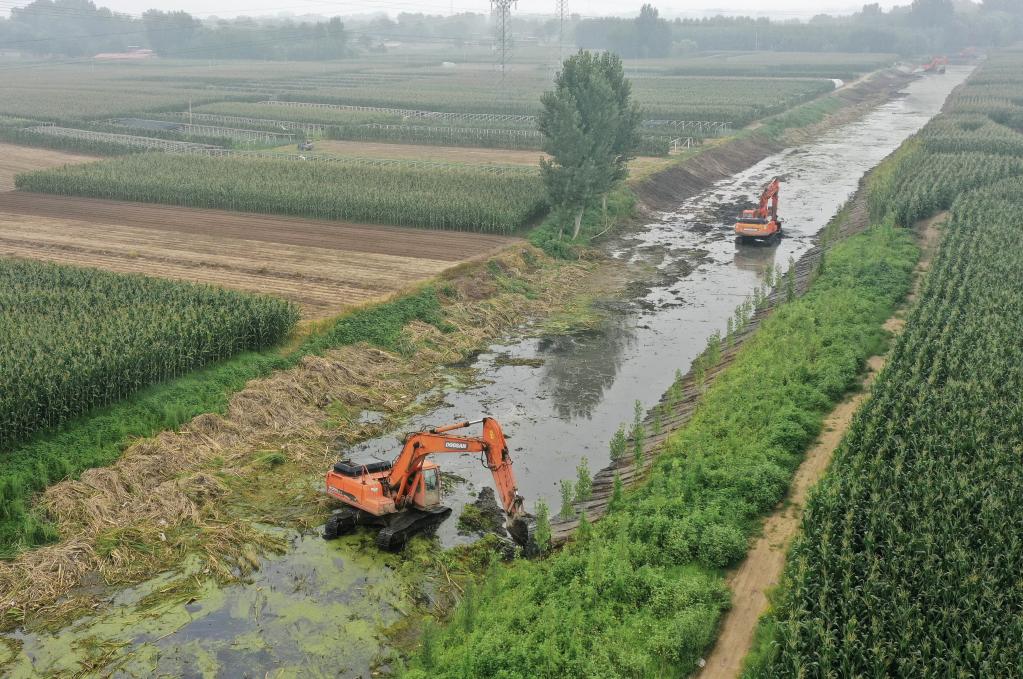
770, 196
492, 445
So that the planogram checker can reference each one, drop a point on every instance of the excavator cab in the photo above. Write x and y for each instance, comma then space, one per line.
427, 495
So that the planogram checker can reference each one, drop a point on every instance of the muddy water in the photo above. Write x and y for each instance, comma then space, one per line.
316, 610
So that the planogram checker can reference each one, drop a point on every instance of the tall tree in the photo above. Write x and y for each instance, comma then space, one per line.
590, 128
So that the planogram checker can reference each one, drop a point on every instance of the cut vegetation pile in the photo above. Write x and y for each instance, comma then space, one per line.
72, 340
461, 198
194, 490
910, 561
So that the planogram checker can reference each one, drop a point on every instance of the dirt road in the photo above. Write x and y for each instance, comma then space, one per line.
765, 562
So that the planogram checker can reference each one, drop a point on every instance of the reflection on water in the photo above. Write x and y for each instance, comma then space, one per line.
755, 257
579, 368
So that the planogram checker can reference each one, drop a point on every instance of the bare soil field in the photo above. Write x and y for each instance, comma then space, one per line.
440, 154
15, 159
323, 266
456, 154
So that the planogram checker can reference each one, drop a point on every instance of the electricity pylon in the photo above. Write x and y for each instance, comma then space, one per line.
502, 9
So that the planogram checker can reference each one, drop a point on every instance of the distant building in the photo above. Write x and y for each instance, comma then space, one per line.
132, 53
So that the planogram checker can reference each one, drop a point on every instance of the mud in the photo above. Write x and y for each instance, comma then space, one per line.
483, 515
560, 398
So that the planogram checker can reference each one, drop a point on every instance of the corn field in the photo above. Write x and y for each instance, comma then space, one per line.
911, 556
464, 198
73, 339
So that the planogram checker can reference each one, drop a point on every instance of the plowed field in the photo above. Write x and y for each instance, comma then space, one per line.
324, 266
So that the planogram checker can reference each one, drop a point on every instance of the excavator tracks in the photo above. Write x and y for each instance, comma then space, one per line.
409, 523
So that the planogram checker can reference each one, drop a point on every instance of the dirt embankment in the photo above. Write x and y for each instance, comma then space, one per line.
762, 569
668, 188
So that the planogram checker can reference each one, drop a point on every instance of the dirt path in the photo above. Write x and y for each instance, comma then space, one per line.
15, 159
642, 166
443, 154
763, 566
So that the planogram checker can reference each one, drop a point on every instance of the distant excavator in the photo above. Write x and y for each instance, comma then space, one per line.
936, 65
402, 498
763, 223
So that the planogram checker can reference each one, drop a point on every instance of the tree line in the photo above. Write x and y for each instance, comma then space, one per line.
78, 28
918, 28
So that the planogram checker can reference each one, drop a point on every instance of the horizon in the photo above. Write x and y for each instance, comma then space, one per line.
228, 9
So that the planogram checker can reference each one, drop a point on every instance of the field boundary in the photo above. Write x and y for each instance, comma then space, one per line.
751, 581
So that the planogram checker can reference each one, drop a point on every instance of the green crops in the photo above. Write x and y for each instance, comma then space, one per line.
72, 339
461, 198
910, 560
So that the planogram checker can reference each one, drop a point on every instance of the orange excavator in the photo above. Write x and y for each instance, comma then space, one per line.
762, 223
402, 498
936, 65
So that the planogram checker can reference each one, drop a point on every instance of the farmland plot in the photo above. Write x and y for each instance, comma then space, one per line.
77, 338
15, 159
920, 510
462, 198
325, 267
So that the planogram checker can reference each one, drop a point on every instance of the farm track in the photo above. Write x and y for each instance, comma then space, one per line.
323, 266
15, 159
763, 567
445, 154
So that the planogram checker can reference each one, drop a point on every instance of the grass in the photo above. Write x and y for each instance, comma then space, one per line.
647, 582
554, 234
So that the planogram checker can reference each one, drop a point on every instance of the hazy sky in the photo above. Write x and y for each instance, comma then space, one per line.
776, 8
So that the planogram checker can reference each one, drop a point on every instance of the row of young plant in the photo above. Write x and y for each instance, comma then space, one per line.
646, 584
460, 198
909, 560
73, 340
649, 145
